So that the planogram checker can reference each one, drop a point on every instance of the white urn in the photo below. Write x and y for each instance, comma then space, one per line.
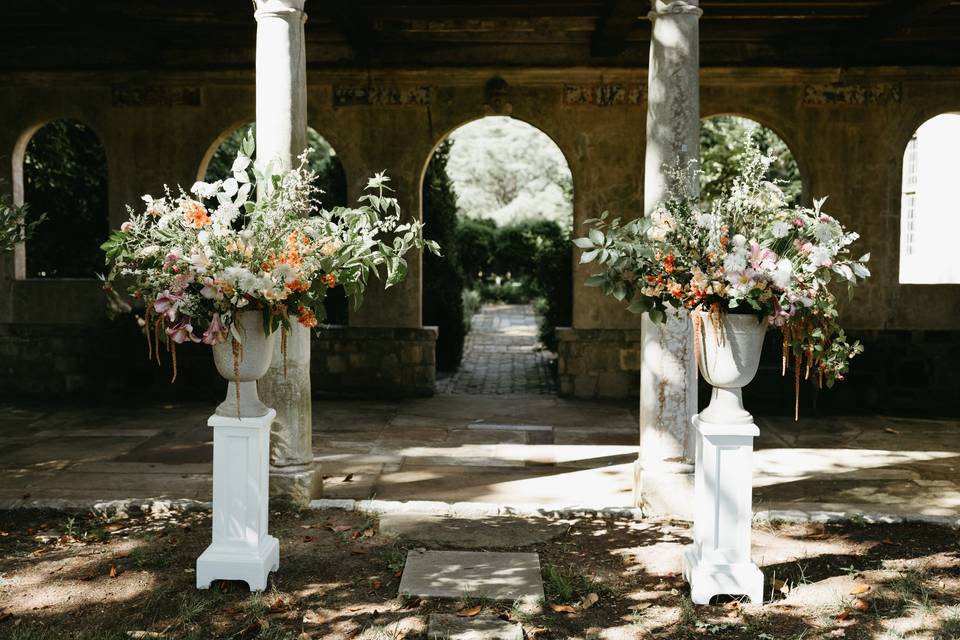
728, 348
242, 363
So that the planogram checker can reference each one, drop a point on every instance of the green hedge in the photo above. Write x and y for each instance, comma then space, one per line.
442, 279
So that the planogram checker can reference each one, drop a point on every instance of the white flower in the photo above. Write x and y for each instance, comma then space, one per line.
705, 220
739, 240
781, 275
251, 283
235, 274
824, 232
780, 229
226, 213
205, 189
734, 262
230, 186
821, 257
203, 237
246, 234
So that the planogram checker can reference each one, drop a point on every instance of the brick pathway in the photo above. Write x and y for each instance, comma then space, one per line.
502, 355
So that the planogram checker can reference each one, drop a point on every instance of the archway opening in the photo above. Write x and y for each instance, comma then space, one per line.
498, 196
331, 180
722, 140
64, 177
929, 209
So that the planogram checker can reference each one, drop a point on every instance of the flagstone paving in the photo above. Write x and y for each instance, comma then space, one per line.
502, 355
488, 575
449, 627
533, 450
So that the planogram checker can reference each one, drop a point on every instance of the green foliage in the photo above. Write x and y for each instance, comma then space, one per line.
442, 278
65, 176
556, 585
722, 146
323, 161
14, 225
524, 261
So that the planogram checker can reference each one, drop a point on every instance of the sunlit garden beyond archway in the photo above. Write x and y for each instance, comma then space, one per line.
499, 193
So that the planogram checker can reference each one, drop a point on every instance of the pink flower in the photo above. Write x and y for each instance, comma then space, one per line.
798, 222
217, 332
762, 258
166, 304
806, 248
126, 226
182, 332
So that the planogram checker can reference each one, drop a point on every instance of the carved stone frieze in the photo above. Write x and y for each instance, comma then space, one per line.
380, 96
602, 95
156, 96
851, 94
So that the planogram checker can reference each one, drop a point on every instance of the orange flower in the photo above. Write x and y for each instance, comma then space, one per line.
676, 290
668, 264
331, 280
195, 214
306, 317
298, 285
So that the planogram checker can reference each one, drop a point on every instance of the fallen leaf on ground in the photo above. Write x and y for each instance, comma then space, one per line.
838, 633
304, 636
254, 629
562, 608
890, 430
121, 555
843, 615
376, 583
369, 532
277, 606
859, 588
589, 600
470, 612
113, 571
312, 617
732, 606
114, 527
859, 605
232, 611
339, 528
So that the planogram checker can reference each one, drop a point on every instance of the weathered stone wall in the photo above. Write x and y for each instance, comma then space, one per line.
394, 362
598, 363
847, 129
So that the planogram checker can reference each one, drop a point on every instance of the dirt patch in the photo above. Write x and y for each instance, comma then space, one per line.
84, 577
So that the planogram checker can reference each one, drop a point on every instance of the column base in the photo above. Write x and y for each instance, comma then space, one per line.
297, 484
708, 579
229, 562
663, 489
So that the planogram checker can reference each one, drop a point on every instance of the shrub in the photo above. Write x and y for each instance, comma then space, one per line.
442, 279
476, 242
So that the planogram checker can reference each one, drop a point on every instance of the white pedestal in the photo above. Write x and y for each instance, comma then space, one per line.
718, 561
241, 548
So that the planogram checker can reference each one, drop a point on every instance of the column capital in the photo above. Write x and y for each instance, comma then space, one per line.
277, 8
674, 7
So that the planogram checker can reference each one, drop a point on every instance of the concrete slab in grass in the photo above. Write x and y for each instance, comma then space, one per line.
477, 574
448, 627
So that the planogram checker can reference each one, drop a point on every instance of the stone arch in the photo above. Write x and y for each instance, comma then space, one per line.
71, 236
929, 214
517, 211
784, 138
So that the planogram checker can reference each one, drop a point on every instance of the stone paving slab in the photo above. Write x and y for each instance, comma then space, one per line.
450, 627
477, 574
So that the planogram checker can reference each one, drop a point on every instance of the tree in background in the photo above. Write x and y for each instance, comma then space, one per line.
722, 141
65, 177
507, 170
442, 278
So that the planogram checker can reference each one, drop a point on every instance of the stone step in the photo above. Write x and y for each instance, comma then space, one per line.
449, 627
511, 577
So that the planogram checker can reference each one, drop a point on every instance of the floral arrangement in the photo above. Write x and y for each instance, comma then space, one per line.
197, 259
747, 252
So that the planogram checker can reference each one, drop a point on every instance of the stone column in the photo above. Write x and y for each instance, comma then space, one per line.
668, 379
281, 137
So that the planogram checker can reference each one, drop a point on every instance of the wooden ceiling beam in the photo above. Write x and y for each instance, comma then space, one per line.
897, 17
615, 25
354, 26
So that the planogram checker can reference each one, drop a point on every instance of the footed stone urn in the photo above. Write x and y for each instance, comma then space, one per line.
718, 561
242, 364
